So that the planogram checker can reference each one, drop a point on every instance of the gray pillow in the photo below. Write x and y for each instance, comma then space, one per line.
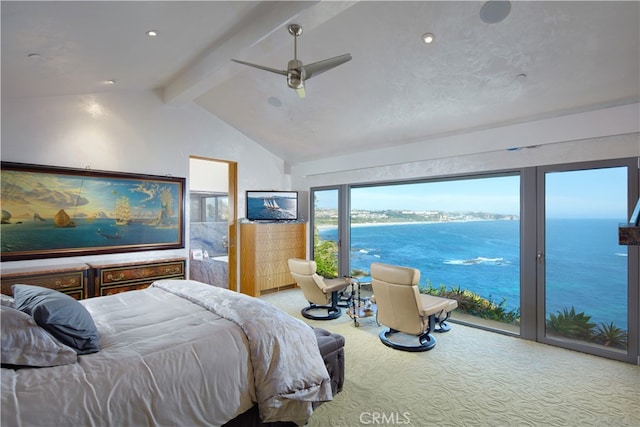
60, 315
26, 344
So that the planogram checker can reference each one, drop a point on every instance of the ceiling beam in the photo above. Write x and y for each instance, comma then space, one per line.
214, 66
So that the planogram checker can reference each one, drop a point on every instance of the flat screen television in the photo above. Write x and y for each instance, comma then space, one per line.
272, 205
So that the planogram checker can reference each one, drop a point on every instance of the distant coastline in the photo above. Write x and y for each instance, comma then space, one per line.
375, 224
366, 218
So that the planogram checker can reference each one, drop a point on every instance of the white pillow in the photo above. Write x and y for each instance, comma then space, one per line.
6, 300
24, 343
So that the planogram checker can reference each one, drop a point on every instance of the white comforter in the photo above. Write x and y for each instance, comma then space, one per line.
169, 357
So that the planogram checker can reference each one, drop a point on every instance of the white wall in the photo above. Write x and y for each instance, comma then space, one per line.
602, 134
132, 132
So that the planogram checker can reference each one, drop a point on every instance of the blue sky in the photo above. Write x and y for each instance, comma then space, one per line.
593, 193
597, 193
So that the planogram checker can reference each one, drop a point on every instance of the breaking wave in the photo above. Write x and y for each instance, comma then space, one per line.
478, 260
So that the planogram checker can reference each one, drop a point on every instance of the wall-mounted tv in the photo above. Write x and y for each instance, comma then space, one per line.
272, 205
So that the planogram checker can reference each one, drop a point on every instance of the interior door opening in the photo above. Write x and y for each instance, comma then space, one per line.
212, 225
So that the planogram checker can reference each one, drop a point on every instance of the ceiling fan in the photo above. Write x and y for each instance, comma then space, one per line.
296, 72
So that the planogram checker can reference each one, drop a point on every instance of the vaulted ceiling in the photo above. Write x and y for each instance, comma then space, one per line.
543, 59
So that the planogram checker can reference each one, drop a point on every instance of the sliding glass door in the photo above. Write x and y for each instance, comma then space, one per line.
583, 272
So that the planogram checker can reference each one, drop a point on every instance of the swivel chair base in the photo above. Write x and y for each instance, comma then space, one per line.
344, 299
442, 327
441, 324
332, 312
425, 341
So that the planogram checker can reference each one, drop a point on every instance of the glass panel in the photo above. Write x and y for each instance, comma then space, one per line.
325, 232
463, 236
195, 209
585, 267
223, 208
210, 209
217, 208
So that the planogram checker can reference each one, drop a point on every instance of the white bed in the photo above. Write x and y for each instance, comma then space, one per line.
178, 353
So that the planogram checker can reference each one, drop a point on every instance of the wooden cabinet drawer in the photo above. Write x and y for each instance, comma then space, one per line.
112, 279
273, 281
153, 271
276, 245
277, 255
115, 289
271, 268
71, 281
267, 237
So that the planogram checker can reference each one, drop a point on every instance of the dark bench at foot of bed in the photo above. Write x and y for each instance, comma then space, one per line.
332, 350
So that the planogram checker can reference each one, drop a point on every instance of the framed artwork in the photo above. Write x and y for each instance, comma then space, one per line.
52, 211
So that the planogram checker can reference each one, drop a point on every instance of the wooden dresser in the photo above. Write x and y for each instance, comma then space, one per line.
95, 279
72, 279
264, 251
111, 278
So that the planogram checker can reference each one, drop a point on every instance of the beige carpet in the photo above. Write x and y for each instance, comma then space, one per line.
471, 378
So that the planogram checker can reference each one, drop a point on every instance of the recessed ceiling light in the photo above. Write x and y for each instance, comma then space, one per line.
428, 38
110, 82
152, 33
33, 56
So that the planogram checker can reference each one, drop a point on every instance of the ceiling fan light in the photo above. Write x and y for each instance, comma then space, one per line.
294, 81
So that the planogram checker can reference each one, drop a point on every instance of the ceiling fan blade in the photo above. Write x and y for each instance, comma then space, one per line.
262, 67
319, 67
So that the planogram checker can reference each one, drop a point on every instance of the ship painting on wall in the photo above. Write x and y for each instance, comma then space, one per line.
51, 212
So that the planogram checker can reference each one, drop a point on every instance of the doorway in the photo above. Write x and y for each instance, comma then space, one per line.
213, 218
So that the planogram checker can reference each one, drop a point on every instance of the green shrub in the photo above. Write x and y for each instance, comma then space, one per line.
611, 336
472, 303
570, 324
325, 254
325, 258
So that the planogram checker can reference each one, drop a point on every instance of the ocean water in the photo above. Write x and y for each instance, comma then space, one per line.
585, 266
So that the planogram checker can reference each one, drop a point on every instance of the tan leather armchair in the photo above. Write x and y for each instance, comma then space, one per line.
409, 315
321, 293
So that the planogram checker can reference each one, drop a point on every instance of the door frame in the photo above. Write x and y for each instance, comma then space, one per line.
232, 224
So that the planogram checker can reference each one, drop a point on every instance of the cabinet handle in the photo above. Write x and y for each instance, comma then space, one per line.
62, 284
112, 277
